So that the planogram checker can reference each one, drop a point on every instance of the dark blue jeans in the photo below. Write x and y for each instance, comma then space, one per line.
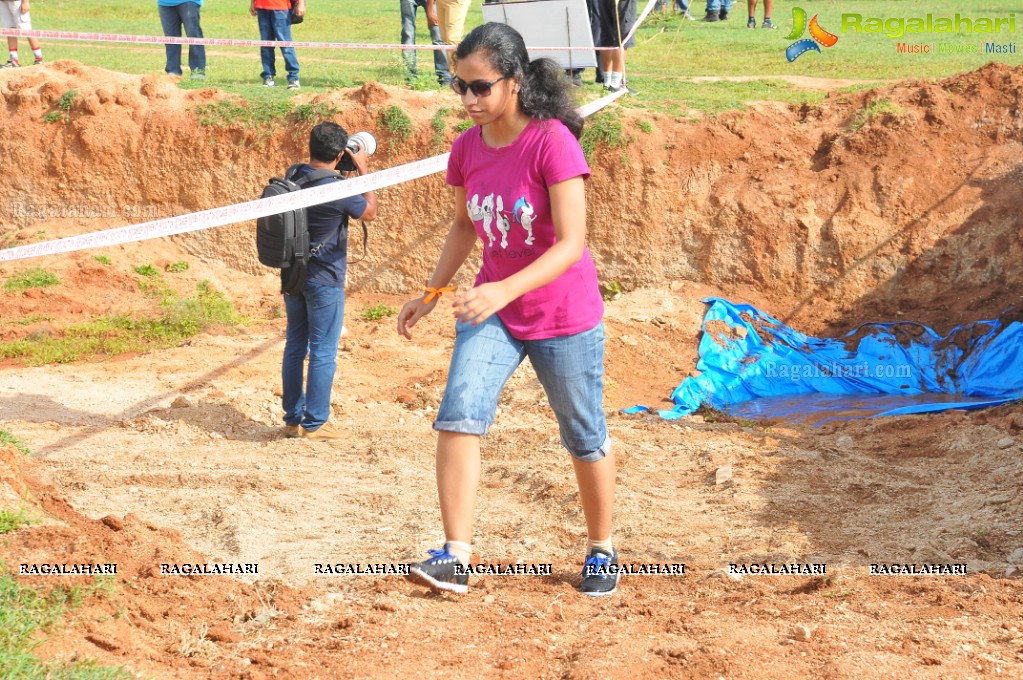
408, 37
173, 18
315, 316
274, 25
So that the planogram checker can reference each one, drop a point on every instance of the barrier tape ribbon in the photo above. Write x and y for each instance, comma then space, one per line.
250, 210
233, 42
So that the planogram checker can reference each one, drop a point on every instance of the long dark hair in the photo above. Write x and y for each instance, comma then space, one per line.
545, 91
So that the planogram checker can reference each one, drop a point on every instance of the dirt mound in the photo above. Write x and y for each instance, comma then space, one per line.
152, 622
897, 201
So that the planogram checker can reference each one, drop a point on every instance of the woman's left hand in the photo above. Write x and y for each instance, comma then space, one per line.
480, 303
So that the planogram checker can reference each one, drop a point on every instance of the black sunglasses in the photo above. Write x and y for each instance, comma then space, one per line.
480, 88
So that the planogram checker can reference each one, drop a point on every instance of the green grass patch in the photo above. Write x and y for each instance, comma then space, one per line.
610, 290
602, 129
28, 613
875, 108
176, 267
462, 126
311, 114
180, 319
30, 319
439, 126
397, 124
37, 277
11, 520
147, 270
9, 439
263, 113
102, 259
378, 311
646, 126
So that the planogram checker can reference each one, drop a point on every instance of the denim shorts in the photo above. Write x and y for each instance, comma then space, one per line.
570, 368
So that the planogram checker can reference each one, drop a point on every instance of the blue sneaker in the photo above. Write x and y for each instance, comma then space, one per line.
600, 573
439, 573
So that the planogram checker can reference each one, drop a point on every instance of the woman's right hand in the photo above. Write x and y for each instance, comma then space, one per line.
412, 312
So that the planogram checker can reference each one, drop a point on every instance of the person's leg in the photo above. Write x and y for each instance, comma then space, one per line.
571, 370
440, 58
458, 478
326, 309
171, 23
408, 34
593, 7
451, 16
768, 11
484, 357
296, 346
193, 29
266, 32
282, 31
597, 493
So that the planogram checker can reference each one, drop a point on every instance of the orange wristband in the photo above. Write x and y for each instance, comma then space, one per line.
432, 293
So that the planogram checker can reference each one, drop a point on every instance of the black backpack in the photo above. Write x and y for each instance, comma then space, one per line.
282, 240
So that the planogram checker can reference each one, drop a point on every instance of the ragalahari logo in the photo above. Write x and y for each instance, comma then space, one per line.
817, 35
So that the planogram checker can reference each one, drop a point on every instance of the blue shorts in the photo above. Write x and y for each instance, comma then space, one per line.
570, 368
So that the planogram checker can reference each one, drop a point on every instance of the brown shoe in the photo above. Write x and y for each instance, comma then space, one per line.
291, 431
324, 432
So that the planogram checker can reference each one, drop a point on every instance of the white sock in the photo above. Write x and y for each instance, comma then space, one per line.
461, 551
614, 79
14, 55
604, 545
38, 53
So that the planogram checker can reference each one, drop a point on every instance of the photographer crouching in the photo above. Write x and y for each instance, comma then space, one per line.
315, 313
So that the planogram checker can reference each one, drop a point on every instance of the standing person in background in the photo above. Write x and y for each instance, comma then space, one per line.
536, 294
14, 14
681, 5
408, 37
616, 18
173, 15
275, 24
451, 17
717, 10
316, 313
751, 5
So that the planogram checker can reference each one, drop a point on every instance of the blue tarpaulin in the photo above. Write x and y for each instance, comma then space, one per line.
752, 364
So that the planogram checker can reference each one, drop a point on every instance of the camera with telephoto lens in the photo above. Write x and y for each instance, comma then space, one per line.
360, 141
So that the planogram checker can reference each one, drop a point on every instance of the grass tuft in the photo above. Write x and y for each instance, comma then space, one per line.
378, 311
9, 439
37, 277
180, 319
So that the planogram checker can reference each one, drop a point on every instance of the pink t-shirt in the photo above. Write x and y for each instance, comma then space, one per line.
506, 194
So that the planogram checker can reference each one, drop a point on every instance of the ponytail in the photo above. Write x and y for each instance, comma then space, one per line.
545, 94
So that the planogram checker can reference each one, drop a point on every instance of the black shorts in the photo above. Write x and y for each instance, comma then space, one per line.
610, 31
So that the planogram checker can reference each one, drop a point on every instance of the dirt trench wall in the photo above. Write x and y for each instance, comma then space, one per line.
902, 200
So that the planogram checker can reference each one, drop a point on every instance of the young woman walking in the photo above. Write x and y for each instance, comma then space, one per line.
518, 183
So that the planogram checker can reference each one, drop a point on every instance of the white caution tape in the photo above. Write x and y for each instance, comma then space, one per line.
232, 42
250, 210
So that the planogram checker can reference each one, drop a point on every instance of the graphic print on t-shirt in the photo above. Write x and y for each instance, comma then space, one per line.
523, 214
492, 214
